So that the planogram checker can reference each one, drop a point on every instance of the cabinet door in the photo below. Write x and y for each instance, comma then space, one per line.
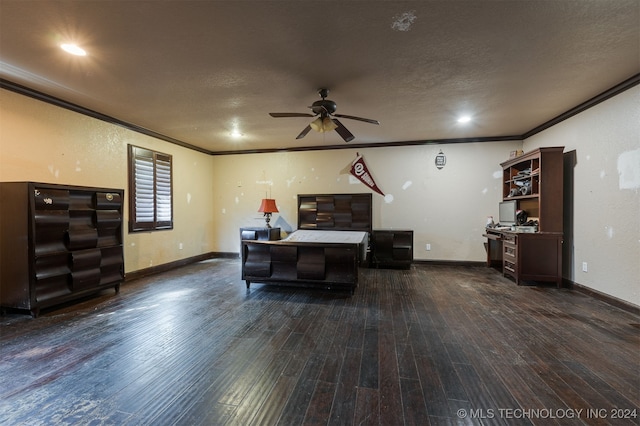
52, 276
403, 245
51, 257
51, 219
111, 265
382, 246
541, 257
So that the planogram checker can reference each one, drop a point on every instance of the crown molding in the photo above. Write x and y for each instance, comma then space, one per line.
32, 93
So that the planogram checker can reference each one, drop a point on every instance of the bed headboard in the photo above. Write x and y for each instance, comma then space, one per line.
338, 212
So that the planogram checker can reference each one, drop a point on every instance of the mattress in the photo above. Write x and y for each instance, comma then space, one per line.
311, 236
319, 236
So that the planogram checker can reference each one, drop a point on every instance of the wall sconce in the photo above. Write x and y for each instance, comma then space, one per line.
267, 207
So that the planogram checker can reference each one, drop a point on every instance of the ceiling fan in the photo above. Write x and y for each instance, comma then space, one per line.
325, 122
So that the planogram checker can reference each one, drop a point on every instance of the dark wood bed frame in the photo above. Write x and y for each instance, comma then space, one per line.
328, 265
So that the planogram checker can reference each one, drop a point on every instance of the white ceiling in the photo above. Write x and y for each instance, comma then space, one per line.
194, 71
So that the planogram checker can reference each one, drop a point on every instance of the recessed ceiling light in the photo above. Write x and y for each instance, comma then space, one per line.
73, 49
464, 119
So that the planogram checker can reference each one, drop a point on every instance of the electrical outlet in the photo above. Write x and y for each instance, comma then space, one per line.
180, 246
584, 266
428, 247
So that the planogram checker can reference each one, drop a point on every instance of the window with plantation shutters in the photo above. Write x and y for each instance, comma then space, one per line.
150, 190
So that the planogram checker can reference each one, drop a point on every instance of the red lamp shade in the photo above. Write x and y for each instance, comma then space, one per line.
268, 206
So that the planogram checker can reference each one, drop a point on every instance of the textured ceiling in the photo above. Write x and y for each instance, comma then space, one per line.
195, 71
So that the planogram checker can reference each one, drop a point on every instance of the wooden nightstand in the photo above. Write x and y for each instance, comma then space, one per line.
259, 233
392, 248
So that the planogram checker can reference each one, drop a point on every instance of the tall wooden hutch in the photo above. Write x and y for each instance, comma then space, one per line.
534, 256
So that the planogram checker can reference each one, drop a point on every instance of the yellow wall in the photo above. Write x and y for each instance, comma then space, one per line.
216, 195
446, 208
43, 143
604, 228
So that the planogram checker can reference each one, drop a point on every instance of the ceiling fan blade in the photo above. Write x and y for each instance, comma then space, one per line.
351, 117
342, 131
304, 132
290, 114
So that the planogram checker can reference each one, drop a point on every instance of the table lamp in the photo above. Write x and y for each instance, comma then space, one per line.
267, 207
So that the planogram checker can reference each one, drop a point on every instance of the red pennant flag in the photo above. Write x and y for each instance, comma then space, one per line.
359, 169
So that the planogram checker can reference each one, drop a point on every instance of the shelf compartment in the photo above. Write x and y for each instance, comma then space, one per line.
81, 238
107, 219
50, 227
50, 199
87, 278
52, 287
54, 265
107, 201
85, 259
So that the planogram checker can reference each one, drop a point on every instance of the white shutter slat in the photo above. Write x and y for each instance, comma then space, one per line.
151, 186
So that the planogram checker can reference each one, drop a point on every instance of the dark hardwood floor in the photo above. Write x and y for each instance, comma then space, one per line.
430, 345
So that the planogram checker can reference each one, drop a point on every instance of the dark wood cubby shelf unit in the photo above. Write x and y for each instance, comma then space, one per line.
391, 248
58, 243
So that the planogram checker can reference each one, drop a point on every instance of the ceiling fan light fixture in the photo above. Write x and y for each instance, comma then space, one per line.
328, 124
316, 124
324, 113
322, 125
